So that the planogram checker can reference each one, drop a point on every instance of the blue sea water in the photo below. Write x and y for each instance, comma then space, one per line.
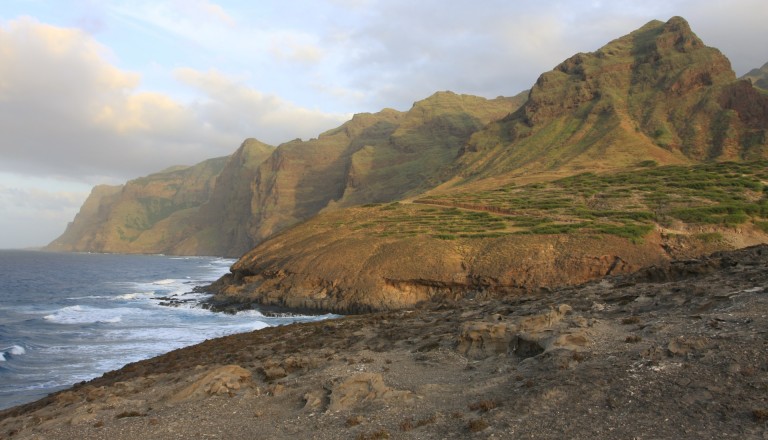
65, 318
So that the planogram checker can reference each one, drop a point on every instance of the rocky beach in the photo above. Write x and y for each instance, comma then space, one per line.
677, 350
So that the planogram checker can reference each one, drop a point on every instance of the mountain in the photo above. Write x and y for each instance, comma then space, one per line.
146, 215
511, 240
260, 190
657, 96
372, 158
758, 77
645, 150
216, 226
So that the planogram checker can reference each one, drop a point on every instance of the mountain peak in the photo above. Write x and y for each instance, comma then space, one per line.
653, 94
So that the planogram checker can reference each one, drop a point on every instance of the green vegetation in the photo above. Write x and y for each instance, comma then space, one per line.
627, 204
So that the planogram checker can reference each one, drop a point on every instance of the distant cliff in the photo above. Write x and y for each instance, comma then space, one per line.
258, 191
146, 215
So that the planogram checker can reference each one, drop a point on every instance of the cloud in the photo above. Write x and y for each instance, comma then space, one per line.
295, 47
66, 111
33, 216
234, 107
397, 51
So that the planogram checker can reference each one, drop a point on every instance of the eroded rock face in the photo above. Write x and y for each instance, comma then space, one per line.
315, 267
484, 339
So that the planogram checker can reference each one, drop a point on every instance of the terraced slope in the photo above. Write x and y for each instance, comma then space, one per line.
510, 240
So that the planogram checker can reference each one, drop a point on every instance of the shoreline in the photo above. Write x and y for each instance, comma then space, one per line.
673, 351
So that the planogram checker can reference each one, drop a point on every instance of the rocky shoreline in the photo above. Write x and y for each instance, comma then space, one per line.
672, 351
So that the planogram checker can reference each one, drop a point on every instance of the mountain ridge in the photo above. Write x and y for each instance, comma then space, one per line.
262, 190
333, 228
657, 93
657, 96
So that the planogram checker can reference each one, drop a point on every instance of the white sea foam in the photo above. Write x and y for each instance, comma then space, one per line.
89, 315
13, 350
16, 350
164, 282
134, 296
251, 313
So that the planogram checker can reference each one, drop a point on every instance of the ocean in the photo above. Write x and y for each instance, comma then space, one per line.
66, 318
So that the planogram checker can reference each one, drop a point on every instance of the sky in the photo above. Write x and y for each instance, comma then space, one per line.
103, 91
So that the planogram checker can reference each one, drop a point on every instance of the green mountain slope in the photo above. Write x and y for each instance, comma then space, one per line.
372, 158
656, 94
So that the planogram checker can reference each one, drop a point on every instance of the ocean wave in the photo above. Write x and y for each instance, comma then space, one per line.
88, 315
9, 352
134, 296
165, 281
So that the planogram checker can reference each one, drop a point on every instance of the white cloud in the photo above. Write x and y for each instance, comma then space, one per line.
295, 47
66, 111
398, 51
34, 216
234, 107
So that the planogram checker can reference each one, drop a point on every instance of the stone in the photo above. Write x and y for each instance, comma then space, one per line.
223, 380
364, 388
479, 340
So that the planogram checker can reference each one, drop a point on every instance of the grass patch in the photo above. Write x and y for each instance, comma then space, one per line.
762, 225
627, 204
709, 237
